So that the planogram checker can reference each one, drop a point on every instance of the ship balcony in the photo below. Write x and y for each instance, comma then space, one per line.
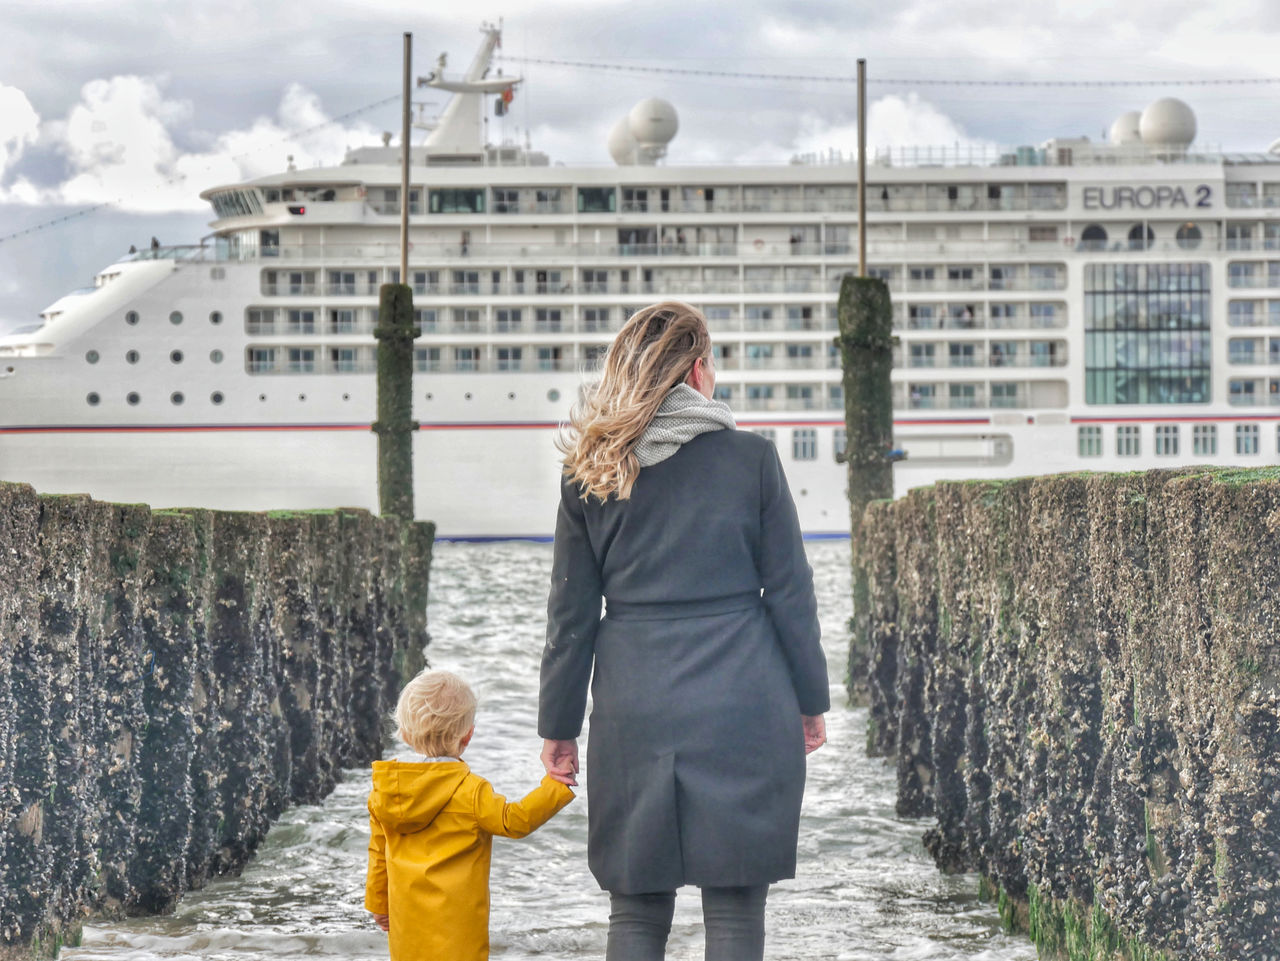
780, 361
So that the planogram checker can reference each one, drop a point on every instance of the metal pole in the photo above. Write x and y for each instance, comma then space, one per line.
404, 165
862, 167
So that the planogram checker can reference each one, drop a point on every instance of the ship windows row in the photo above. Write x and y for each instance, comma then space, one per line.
660, 281
1253, 313
1253, 273
980, 353
972, 395
1254, 392
804, 441
1167, 440
790, 198
1253, 350
979, 315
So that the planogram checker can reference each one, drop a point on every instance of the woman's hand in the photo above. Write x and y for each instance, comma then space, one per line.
815, 732
383, 921
560, 758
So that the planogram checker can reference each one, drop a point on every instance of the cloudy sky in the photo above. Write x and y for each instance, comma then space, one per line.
134, 107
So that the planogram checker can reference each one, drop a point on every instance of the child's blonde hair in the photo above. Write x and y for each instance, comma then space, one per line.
435, 711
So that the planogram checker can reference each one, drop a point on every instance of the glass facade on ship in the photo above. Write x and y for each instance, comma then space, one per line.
1147, 333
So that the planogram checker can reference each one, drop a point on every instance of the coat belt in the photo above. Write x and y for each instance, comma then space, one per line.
674, 610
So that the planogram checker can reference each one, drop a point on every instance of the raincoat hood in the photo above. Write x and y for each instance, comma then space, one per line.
406, 797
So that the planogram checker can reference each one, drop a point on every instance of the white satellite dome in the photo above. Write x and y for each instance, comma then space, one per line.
1168, 122
1124, 131
622, 146
653, 122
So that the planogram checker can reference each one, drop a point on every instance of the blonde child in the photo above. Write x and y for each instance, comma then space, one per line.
432, 824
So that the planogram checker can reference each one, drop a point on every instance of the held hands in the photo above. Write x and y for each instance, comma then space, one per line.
815, 732
560, 758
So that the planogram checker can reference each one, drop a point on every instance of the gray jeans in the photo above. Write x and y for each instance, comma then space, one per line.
733, 918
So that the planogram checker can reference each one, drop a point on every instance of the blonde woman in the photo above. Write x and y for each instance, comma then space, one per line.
709, 680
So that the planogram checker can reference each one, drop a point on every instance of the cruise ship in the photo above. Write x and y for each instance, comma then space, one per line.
1074, 305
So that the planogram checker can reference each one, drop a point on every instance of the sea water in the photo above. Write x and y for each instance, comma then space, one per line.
865, 888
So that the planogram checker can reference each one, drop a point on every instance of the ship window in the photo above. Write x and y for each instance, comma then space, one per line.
91, 356
1004, 395
839, 443
1129, 440
175, 356
1166, 440
426, 359
133, 398
1093, 237
93, 399
216, 397
131, 318
1204, 440
1246, 438
1041, 235
1141, 237
215, 318
458, 200
302, 360
175, 317
804, 444
176, 397
553, 395
508, 358
1188, 236
768, 433
261, 360
132, 356
215, 356
596, 200
1089, 441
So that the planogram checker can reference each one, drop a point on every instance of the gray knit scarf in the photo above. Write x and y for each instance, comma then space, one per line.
682, 416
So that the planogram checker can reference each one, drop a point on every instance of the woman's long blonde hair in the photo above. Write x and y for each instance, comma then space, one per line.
654, 351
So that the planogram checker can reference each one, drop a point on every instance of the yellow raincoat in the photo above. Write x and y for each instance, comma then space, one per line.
432, 826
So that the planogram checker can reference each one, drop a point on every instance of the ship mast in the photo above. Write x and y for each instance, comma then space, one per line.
459, 134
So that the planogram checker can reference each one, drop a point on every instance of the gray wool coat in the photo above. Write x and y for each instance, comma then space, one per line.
706, 658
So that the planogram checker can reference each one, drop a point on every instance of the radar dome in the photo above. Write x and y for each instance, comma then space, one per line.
622, 146
1168, 122
1124, 131
653, 122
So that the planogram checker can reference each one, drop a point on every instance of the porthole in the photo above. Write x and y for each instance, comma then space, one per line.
553, 395
175, 356
302, 397
176, 397
428, 396
1189, 236
511, 396
132, 356
346, 396
131, 318
215, 356
93, 399
175, 317
467, 395
262, 397
216, 397
133, 398
215, 318
91, 356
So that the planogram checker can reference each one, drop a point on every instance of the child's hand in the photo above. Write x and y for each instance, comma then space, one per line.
383, 921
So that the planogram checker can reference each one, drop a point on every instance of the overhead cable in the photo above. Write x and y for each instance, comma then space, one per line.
891, 81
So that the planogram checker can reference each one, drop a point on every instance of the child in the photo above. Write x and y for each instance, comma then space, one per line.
432, 824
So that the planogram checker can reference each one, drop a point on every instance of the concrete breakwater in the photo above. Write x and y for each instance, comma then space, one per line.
1079, 677
171, 680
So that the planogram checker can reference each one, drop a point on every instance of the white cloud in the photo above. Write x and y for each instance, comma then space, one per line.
19, 125
892, 122
119, 145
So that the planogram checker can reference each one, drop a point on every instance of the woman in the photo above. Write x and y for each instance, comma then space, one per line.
709, 681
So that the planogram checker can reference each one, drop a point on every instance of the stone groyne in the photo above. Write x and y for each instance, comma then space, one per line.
1079, 678
171, 680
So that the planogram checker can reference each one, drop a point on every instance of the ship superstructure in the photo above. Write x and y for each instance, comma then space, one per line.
1068, 306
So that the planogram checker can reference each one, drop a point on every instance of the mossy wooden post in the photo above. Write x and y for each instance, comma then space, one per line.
866, 356
395, 425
